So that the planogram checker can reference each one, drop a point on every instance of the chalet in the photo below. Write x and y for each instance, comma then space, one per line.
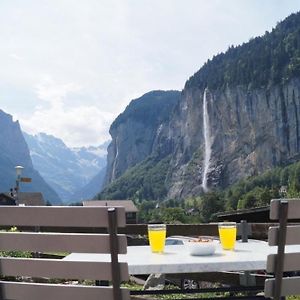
253, 215
31, 199
28, 199
6, 199
130, 208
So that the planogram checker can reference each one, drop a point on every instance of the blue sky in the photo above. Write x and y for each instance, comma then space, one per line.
68, 68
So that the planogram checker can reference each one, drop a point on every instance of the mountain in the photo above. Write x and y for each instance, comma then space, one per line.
67, 170
14, 151
238, 116
91, 189
134, 132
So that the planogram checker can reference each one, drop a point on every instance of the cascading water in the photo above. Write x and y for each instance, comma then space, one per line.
115, 162
207, 142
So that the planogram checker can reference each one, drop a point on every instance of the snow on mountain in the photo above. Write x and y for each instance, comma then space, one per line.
66, 170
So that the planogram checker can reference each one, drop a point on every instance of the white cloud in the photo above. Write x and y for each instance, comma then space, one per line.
67, 59
15, 56
54, 93
77, 125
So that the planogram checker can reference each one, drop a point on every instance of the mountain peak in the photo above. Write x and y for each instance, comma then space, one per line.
65, 169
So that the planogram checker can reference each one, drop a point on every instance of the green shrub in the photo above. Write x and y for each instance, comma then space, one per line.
15, 253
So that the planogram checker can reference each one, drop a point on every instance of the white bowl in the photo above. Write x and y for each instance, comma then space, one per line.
201, 247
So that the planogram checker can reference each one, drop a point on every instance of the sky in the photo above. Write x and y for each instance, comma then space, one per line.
69, 67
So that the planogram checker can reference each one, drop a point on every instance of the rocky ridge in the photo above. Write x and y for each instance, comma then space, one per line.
14, 151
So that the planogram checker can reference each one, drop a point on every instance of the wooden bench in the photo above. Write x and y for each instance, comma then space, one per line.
282, 235
59, 217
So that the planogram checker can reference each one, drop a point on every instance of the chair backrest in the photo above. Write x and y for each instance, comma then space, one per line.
55, 242
283, 210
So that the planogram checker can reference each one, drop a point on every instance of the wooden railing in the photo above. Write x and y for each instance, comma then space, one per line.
257, 230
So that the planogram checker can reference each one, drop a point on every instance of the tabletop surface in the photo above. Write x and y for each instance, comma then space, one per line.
176, 259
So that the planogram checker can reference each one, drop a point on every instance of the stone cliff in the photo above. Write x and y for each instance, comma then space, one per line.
134, 132
251, 132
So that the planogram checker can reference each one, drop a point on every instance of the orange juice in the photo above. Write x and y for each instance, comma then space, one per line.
227, 232
157, 237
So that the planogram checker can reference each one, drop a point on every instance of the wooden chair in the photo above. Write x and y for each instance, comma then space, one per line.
58, 217
283, 210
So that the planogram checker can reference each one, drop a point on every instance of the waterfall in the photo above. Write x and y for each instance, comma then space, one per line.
115, 161
207, 142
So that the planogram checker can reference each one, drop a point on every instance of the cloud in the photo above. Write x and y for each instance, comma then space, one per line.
15, 56
70, 67
77, 125
54, 93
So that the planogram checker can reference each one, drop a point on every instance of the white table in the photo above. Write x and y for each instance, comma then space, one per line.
176, 259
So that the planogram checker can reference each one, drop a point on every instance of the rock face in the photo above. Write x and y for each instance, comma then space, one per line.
253, 113
135, 131
14, 151
67, 170
251, 132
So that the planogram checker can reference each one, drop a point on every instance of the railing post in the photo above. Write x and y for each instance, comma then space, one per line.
283, 212
114, 251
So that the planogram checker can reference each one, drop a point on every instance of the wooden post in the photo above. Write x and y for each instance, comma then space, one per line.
283, 212
114, 250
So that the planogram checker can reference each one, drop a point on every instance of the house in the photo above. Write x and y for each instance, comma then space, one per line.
31, 199
130, 208
28, 199
6, 199
253, 215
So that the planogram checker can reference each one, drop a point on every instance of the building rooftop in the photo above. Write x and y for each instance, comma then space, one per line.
27, 198
128, 204
31, 198
257, 214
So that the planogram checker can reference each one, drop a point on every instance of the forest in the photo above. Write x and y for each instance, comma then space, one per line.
273, 58
252, 192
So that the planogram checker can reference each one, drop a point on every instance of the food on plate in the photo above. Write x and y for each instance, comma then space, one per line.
201, 240
201, 246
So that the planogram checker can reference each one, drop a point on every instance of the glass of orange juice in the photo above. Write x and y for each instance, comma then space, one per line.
157, 237
227, 233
